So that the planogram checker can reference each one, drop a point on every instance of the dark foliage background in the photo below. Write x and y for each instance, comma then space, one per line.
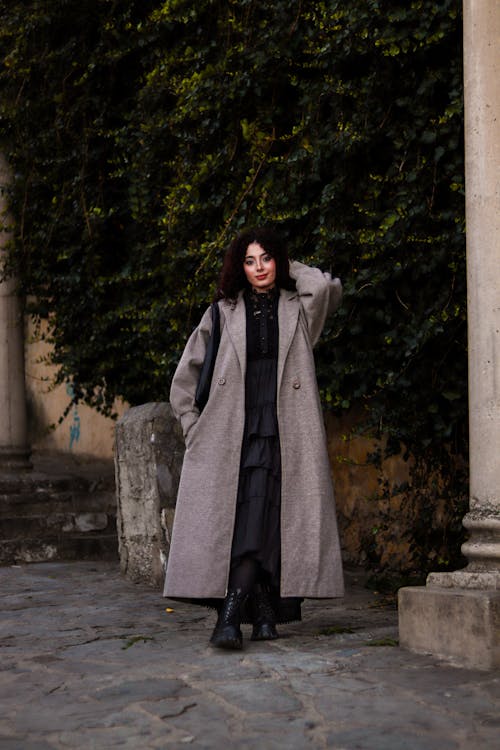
143, 134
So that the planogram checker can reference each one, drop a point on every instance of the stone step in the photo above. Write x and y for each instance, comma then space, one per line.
34, 503
61, 510
18, 527
19, 483
71, 547
43, 486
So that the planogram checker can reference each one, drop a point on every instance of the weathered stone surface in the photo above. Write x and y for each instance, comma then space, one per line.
256, 696
92, 660
148, 460
466, 579
462, 625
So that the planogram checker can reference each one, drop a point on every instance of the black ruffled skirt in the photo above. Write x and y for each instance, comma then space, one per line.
258, 507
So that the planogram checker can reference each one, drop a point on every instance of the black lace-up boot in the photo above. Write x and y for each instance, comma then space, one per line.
227, 632
263, 617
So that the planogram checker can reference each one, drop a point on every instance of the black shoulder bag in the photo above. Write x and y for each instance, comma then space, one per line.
207, 370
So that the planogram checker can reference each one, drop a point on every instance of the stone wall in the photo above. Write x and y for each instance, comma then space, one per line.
371, 497
83, 433
393, 516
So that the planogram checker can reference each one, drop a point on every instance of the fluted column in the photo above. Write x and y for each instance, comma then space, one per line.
482, 165
457, 615
14, 448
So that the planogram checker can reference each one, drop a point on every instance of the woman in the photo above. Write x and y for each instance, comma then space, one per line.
255, 529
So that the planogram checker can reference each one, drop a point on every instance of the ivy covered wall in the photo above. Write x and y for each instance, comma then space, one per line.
143, 134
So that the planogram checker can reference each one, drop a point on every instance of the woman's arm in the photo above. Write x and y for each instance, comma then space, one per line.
186, 376
320, 295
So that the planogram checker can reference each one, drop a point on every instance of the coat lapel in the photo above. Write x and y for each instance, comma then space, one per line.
235, 315
288, 315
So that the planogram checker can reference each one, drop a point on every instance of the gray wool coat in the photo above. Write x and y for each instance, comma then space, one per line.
200, 552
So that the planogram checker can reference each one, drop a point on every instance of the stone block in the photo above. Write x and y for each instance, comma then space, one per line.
91, 521
149, 449
459, 625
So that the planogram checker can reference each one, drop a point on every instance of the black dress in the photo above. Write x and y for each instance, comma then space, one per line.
258, 507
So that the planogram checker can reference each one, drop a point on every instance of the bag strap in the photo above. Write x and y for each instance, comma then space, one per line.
207, 370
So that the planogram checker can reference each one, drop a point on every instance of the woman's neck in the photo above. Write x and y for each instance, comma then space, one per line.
270, 289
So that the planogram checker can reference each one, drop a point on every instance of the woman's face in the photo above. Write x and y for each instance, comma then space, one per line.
260, 268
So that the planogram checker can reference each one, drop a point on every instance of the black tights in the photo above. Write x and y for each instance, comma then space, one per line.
244, 575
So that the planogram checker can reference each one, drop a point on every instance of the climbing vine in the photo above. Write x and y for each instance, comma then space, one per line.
143, 134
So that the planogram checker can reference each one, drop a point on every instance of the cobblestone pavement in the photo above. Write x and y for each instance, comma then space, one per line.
90, 660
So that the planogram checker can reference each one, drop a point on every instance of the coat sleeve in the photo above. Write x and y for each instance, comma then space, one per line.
320, 295
186, 376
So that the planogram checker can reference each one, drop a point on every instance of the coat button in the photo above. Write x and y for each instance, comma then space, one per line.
222, 381
296, 384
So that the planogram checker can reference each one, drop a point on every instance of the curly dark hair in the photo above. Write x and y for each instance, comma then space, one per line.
233, 279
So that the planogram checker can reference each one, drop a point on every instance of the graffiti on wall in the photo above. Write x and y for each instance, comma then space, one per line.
74, 427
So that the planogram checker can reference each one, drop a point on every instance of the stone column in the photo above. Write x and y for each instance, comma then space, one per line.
14, 448
457, 615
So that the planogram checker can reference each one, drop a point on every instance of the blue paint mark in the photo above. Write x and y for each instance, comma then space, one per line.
74, 428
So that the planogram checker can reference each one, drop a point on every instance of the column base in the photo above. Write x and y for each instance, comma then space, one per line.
467, 578
461, 625
15, 459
